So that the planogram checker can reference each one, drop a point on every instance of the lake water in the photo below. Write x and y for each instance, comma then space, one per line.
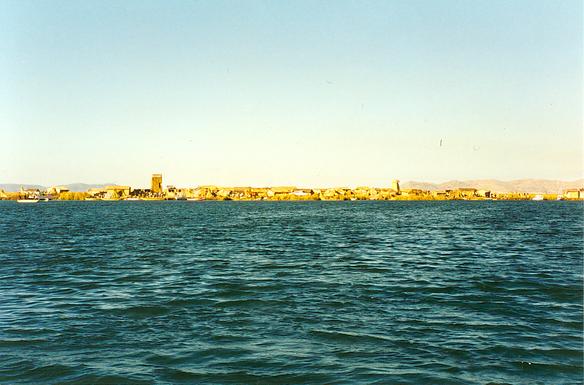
292, 292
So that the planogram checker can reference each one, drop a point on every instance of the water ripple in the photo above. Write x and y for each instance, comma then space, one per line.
281, 292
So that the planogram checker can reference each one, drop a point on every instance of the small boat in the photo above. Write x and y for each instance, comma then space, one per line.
27, 200
133, 199
538, 197
194, 199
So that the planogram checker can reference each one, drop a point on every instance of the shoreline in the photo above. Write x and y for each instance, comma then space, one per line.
302, 200
280, 193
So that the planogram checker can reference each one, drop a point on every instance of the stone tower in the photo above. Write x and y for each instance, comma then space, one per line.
156, 183
395, 185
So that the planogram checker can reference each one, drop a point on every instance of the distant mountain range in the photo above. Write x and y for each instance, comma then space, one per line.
14, 187
543, 186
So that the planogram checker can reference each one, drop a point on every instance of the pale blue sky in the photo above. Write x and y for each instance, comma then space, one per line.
308, 93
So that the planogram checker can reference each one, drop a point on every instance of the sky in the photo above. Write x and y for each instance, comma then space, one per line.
305, 93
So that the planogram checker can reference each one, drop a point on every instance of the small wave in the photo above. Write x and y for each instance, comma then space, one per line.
190, 302
143, 311
105, 380
250, 302
21, 342
44, 373
349, 336
244, 377
548, 367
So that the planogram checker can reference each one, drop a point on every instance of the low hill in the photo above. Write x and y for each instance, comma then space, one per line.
77, 187
14, 187
81, 187
543, 186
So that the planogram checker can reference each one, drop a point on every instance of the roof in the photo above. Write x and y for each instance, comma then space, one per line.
117, 188
283, 189
241, 189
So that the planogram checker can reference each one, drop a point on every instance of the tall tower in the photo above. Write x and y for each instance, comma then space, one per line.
395, 185
156, 183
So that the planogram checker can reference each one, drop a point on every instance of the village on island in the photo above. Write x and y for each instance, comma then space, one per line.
282, 193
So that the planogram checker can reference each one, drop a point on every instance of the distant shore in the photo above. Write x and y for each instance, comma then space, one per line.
215, 193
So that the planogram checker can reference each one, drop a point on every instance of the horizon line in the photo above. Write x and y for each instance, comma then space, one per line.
302, 185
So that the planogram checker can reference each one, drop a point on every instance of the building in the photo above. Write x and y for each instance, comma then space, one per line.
440, 194
173, 192
30, 193
411, 192
574, 193
117, 192
280, 191
156, 184
484, 193
139, 193
465, 192
302, 192
56, 190
395, 185
109, 192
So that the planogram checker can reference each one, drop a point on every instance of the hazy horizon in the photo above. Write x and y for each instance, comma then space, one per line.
304, 93
406, 182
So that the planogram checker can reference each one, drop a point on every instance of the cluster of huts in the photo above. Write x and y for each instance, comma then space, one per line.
116, 192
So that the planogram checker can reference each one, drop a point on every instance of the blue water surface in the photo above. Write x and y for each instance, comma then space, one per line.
449, 292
